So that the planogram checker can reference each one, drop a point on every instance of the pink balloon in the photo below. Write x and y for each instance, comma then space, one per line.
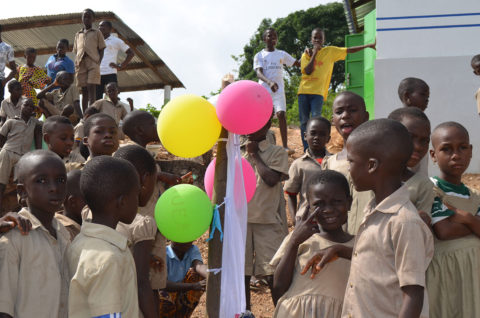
244, 107
249, 178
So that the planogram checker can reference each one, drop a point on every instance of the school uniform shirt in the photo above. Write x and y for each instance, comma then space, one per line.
63, 98
70, 225
113, 45
263, 207
6, 56
421, 192
74, 157
88, 42
116, 111
318, 82
178, 268
393, 248
104, 278
272, 66
19, 134
300, 172
33, 271
9, 109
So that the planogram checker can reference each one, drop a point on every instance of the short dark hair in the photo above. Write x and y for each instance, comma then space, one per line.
411, 112
30, 50
475, 59
90, 122
25, 160
90, 111
73, 183
105, 178
111, 83
64, 42
264, 34
452, 124
408, 85
134, 119
107, 23
322, 120
329, 176
12, 83
318, 30
90, 11
139, 157
354, 96
51, 121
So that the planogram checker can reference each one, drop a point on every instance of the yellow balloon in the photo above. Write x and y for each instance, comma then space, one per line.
188, 126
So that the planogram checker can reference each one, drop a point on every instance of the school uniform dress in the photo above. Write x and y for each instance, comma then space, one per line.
70, 225
360, 199
87, 59
10, 110
34, 272
393, 248
421, 192
267, 220
318, 297
104, 279
453, 278
299, 174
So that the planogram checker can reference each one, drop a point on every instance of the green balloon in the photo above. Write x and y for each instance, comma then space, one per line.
183, 213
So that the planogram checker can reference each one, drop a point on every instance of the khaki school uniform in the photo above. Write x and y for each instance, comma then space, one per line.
116, 111
33, 271
19, 136
74, 157
338, 162
61, 99
393, 248
421, 192
87, 59
70, 225
267, 220
104, 278
299, 174
10, 110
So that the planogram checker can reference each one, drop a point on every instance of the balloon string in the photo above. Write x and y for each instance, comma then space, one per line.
216, 224
223, 139
215, 271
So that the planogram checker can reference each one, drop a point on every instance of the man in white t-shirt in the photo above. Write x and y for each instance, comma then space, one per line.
109, 65
6, 58
268, 63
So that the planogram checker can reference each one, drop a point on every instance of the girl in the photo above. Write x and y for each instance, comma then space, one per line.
329, 198
453, 278
31, 76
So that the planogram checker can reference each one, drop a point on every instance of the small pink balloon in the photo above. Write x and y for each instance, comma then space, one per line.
244, 107
249, 178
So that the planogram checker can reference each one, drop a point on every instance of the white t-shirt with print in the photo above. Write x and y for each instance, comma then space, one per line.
272, 65
6, 56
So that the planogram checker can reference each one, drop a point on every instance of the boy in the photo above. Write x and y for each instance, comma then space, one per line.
268, 64
63, 100
475, 63
414, 92
78, 129
71, 216
101, 135
386, 280
267, 221
112, 105
88, 48
348, 112
16, 137
33, 272
317, 66
317, 135
103, 271
11, 106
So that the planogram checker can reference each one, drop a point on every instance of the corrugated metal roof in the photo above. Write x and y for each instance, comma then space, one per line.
355, 12
145, 71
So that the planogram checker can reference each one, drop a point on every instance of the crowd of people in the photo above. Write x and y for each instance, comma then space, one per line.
373, 235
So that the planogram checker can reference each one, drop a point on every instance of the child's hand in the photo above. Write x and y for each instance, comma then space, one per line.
11, 219
321, 259
157, 263
115, 66
460, 216
201, 285
252, 147
169, 178
305, 227
273, 86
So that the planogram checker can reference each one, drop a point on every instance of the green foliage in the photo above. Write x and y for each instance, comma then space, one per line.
152, 110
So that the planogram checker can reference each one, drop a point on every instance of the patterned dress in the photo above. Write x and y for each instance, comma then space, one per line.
32, 78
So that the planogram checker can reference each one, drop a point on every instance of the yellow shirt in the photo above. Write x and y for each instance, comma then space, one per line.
318, 82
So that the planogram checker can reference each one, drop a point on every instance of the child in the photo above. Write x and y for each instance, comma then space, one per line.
31, 76
71, 216
414, 92
103, 271
267, 221
186, 280
328, 195
475, 63
419, 186
88, 48
453, 278
393, 246
317, 66
348, 112
16, 137
78, 129
60, 61
101, 135
11, 106
142, 231
268, 63
63, 100
302, 169
33, 272
112, 105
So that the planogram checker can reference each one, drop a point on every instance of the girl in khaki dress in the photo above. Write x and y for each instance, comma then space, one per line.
320, 294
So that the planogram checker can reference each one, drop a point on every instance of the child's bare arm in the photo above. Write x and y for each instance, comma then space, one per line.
172, 286
311, 64
412, 303
327, 255
292, 205
472, 222
446, 229
273, 86
355, 49
47, 88
100, 53
269, 176
200, 268
3, 139
146, 297
11, 220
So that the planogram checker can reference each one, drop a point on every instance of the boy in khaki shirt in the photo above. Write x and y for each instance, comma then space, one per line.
267, 220
111, 106
33, 271
103, 270
10, 107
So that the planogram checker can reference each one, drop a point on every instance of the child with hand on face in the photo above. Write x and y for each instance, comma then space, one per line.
319, 295
456, 224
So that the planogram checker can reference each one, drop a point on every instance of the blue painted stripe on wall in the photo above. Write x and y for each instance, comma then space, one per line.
430, 27
429, 16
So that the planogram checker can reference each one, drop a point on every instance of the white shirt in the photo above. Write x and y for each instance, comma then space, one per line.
113, 44
6, 56
272, 65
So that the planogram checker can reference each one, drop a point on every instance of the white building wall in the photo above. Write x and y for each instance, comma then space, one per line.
433, 40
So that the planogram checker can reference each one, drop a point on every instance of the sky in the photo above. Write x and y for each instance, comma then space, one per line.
195, 38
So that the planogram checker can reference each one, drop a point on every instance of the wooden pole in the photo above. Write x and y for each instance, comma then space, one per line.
215, 246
